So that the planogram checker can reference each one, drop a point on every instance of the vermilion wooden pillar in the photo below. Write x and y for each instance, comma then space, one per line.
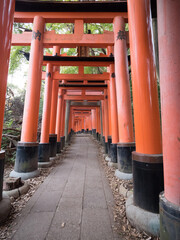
70, 125
147, 160
86, 123
125, 124
106, 120
67, 114
93, 115
62, 125
90, 124
44, 141
83, 124
169, 61
52, 132
98, 123
6, 24
59, 119
103, 123
27, 149
109, 119
114, 116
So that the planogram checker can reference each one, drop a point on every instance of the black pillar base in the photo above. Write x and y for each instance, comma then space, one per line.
106, 147
43, 152
94, 133
109, 144
62, 142
148, 180
98, 136
68, 138
90, 131
58, 147
53, 145
103, 141
2, 160
169, 219
113, 152
26, 164
124, 156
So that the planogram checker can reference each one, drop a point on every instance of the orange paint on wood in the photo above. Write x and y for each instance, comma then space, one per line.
93, 115
78, 77
113, 103
47, 105
6, 24
69, 17
56, 50
169, 60
145, 95
125, 123
59, 114
31, 107
106, 115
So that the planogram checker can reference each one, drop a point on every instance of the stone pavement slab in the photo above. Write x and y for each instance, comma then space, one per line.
74, 202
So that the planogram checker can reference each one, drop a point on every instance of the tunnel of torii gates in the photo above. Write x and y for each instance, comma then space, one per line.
101, 103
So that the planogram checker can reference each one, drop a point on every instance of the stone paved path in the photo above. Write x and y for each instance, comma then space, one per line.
74, 202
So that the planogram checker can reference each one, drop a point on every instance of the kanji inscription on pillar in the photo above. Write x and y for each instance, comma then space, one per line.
113, 75
48, 74
121, 35
36, 35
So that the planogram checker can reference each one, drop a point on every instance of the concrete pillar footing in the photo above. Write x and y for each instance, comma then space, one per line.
141, 219
23, 175
54, 158
5, 207
108, 159
123, 176
44, 164
15, 193
112, 164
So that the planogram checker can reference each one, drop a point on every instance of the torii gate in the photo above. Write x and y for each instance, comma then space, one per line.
146, 113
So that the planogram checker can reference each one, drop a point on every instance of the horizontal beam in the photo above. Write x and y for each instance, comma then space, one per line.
88, 86
54, 6
84, 88
79, 63
69, 17
78, 77
85, 104
75, 61
51, 39
84, 97
62, 59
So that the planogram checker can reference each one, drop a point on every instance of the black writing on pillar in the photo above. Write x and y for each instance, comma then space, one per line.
48, 74
60, 96
36, 35
106, 97
121, 35
113, 75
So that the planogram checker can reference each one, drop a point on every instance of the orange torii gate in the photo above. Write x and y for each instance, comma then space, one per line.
147, 159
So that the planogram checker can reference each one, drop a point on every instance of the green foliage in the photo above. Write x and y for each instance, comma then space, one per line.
69, 70
17, 58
